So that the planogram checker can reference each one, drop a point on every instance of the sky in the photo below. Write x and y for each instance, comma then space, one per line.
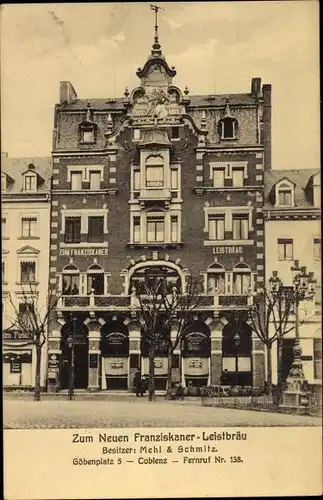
216, 47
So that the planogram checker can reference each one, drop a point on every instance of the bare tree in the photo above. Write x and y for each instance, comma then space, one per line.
32, 319
159, 303
270, 318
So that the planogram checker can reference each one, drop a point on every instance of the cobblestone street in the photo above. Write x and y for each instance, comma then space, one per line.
132, 412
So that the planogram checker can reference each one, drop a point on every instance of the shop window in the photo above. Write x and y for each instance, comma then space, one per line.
72, 229
30, 183
96, 229
155, 229
95, 280
216, 279
241, 279
218, 177
76, 181
317, 248
237, 177
27, 272
317, 350
71, 280
240, 224
95, 179
216, 227
29, 227
285, 249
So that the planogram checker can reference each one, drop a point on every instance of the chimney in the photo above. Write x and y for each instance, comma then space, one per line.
255, 86
266, 90
67, 93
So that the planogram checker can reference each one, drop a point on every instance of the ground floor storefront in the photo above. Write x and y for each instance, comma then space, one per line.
104, 351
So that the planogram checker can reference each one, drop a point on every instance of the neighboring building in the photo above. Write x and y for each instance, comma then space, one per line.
292, 214
25, 193
156, 179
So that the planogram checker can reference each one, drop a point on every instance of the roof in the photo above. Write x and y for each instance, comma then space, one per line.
299, 177
15, 167
116, 104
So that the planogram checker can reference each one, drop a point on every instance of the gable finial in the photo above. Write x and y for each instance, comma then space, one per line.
156, 49
88, 112
227, 110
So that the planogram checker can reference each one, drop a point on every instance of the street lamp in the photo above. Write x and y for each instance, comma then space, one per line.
236, 342
70, 342
294, 397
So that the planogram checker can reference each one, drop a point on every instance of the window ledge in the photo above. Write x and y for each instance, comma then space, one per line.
87, 191
5, 238
289, 260
28, 238
25, 283
208, 243
210, 189
156, 245
85, 245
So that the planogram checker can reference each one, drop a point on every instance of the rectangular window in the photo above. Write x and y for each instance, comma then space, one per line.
284, 197
96, 228
155, 176
29, 227
136, 134
237, 177
218, 177
155, 230
216, 227
317, 248
317, 351
88, 136
174, 229
136, 180
76, 181
3, 183
174, 179
4, 227
241, 283
71, 284
3, 272
240, 225
26, 312
95, 180
136, 229
27, 272
175, 132
285, 249
72, 229
30, 182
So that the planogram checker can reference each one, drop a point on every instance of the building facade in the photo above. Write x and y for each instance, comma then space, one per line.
25, 193
292, 212
156, 179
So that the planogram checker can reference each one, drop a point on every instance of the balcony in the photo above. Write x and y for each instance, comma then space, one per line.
155, 193
94, 301
233, 300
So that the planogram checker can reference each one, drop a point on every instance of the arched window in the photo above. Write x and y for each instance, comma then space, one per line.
155, 171
228, 127
241, 279
216, 279
95, 279
151, 277
71, 280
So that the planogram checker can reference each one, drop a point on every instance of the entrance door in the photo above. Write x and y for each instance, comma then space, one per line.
81, 371
77, 335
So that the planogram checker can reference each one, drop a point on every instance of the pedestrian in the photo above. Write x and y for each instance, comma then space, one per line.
138, 384
224, 378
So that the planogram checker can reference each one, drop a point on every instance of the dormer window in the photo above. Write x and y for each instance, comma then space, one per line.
88, 136
284, 194
228, 128
30, 183
3, 182
87, 128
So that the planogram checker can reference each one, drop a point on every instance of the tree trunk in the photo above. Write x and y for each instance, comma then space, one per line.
269, 370
151, 384
169, 371
37, 375
279, 369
